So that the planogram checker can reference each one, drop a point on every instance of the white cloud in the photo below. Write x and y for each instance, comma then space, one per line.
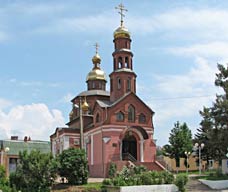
167, 112
34, 83
35, 120
67, 98
198, 80
215, 49
4, 103
184, 23
183, 95
204, 23
95, 23
31, 9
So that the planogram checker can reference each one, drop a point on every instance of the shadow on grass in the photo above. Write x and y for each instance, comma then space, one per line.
90, 187
60, 186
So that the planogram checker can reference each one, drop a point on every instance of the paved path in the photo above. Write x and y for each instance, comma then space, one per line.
194, 185
95, 180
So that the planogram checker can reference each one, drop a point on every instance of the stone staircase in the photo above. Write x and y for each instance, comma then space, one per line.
153, 166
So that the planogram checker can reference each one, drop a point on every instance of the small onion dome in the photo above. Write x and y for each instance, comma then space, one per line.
96, 58
96, 74
85, 105
121, 32
71, 114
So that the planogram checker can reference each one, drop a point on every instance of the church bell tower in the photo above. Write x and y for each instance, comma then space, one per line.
123, 78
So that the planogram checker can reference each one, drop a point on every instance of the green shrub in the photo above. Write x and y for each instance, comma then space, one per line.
146, 178
73, 166
119, 181
139, 169
3, 179
218, 173
154, 177
181, 181
112, 170
168, 177
107, 182
34, 173
125, 172
159, 179
139, 176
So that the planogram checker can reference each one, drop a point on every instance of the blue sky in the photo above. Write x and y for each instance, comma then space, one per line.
46, 48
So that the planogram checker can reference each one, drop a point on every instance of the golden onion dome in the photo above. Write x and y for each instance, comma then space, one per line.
121, 32
71, 115
96, 58
96, 74
85, 105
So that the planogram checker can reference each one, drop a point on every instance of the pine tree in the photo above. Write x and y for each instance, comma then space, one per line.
213, 131
180, 141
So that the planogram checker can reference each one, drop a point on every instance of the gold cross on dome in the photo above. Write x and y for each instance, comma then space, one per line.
122, 9
96, 47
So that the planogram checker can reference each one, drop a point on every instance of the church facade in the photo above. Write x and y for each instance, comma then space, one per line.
117, 125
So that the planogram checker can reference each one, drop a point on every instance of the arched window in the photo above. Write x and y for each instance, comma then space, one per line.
120, 116
97, 118
126, 62
120, 62
131, 64
114, 63
142, 118
118, 83
131, 113
111, 84
129, 84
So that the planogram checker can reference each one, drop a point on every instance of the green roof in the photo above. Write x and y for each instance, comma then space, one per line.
15, 146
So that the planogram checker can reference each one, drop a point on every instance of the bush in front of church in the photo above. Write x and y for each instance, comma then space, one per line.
73, 166
4, 183
139, 176
35, 172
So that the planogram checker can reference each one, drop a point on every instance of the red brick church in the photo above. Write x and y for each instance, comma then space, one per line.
117, 125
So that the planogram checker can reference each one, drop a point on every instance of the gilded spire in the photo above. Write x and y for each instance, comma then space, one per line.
96, 47
121, 10
96, 58
96, 73
121, 32
85, 105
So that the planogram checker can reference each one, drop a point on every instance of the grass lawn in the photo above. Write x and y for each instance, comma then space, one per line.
90, 187
213, 177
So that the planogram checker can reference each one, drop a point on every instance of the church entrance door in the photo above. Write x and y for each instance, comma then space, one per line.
129, 148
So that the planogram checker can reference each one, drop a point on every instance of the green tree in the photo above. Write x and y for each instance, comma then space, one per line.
213, 131
35, 172
73, 165
180, 140
4, 183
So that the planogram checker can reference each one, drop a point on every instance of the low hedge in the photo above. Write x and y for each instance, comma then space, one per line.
139, 176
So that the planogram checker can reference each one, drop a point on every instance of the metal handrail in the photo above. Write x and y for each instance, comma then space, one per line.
129, 156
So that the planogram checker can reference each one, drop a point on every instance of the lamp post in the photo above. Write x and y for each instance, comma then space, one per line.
187, 153
81, 123
199, 147
82, 107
